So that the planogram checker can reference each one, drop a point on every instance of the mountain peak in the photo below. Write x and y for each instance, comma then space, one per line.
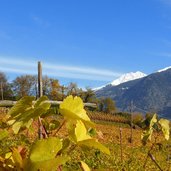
164, 69
124, 78
143, 93
128, 77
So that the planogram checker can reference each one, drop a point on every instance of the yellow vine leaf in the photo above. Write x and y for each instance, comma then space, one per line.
8, 155
82, 138
16, 127
85, 166
146, 135
153, 121
81, 131
17, 158
73, 108
165, 128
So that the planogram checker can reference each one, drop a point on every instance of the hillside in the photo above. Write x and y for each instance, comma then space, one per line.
150, 93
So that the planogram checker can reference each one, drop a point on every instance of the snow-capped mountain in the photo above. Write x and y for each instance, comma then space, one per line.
124, 78
150, 93
98, 88
128, 77
164, 69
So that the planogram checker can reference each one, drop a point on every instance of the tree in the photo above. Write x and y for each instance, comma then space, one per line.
5, 88
88, 95
55, 90
63, 92
46, 85
52, 89
25, 85
107, 105
73, 89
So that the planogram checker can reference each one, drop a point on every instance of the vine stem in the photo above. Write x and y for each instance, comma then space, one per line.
59, 168
151, 156
42, 133
39, 129
147, 156
154, 160
60, 127
81, 167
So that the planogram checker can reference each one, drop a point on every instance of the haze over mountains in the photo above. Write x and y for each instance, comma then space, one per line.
149, 93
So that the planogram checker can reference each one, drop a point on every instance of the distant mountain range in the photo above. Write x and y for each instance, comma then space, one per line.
124, 78
149, 93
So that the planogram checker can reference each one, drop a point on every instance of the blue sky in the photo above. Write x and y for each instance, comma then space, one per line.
90, 42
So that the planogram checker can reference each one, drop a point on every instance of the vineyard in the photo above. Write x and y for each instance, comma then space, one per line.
35, 136
85, 85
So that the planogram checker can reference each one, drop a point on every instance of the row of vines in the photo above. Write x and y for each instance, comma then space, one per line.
32, 138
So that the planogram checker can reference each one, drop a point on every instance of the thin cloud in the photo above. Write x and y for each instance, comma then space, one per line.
15, 70
82, 70
30, 67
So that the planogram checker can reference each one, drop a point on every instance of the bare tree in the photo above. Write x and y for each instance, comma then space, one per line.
25, 85
5, 88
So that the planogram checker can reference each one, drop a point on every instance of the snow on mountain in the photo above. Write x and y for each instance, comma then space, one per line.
128, 77
124, 78
98, 88
164, 69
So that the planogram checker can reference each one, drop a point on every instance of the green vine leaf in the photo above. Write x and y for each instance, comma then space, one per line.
45, 149
25, 111
146, 135
47, 165
43, 155
165, 128
22, 105
95, 144
41, 101
54, 124
65, 146
3, 134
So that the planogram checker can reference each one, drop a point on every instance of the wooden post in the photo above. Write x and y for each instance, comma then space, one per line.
40, 87
120, 130
63, 88
2, 92
40, 93
131, 110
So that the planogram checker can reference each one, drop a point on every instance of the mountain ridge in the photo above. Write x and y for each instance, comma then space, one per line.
124, 78
149, 94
